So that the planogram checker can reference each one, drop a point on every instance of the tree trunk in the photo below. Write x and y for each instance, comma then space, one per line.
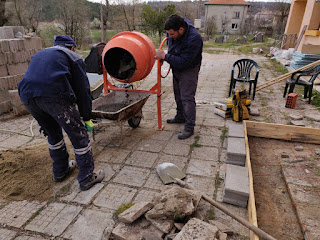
103, 29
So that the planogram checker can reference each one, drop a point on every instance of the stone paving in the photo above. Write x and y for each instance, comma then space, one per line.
129, 160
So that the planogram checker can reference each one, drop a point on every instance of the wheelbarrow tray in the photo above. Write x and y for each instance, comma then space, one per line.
119, 105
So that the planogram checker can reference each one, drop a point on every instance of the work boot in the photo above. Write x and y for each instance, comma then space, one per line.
71, 167
96, 177
185, 134
175, 120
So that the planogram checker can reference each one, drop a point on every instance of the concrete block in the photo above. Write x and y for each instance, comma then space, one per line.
33, 43
13, 45
18, 68
16, 104
17, 29
236, 130
3, 71
9, 57
19, 44
3, 59
236, 189
4, 46
236, 151
6, 32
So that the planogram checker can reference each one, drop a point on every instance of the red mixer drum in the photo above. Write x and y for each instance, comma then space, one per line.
129, 56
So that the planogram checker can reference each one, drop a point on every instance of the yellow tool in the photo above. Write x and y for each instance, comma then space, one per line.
239, 110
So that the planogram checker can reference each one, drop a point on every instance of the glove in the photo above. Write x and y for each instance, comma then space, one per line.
89, 125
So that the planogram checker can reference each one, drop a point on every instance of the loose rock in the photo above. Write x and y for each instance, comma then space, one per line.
134, 212
298, 148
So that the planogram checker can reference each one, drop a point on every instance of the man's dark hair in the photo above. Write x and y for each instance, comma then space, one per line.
175, 22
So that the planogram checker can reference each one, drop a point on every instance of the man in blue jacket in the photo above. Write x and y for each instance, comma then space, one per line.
184, 56
52, 89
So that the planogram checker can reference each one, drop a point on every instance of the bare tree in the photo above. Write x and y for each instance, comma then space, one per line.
224, 24
74, 14
281, 9
211, 26
129, 9
27, 13
188, 10
104, 14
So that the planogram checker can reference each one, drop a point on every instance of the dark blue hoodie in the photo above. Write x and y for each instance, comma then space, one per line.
186, 52
58, 72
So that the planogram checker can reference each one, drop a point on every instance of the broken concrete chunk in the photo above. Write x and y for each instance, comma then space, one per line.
298, 123
222, 227
134, 212
135, 231
197, 229
298, 148
222, 236
295, 116
172, 205
284, 155
179, 226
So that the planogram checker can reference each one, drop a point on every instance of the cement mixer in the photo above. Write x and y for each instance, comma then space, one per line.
128, 57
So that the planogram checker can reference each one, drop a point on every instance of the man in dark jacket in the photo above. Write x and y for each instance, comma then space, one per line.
184, 56
53, 85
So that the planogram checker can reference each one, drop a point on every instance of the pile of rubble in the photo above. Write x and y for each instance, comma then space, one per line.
172, 215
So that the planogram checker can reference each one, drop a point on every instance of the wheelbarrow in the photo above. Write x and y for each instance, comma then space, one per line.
120, 106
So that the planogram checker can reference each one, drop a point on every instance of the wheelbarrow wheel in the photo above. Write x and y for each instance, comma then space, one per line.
134, 122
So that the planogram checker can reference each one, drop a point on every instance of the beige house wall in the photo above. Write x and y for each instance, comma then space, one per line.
305, 12
225, 13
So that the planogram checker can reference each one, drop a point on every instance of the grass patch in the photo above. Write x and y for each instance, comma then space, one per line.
122, 208
65, 188
37, 212
211, 214
214, 51
224, 134
195, 144
278, 67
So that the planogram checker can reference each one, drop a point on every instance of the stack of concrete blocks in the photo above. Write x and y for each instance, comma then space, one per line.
236, 186
15, 56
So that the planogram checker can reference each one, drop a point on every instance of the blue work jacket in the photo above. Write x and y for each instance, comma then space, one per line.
186, 52
58, 72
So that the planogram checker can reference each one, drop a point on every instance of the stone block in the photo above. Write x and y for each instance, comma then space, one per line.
3, 59
198, 230
16, 104
6, 32
3, 71
236, 130
134, 212
9, 57
18, 68
236, 189
5, 107
236, 151
17, 29
33, 43
13, 45
4, 46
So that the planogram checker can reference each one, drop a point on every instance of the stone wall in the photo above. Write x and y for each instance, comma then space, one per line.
15, 56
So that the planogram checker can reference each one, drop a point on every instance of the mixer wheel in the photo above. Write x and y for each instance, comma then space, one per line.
134, 122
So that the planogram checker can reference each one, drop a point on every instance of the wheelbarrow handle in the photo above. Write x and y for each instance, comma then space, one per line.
241, 220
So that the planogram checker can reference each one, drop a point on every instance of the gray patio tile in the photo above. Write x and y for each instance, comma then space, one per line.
112, 155
25, 237
205, 185
145, 196
150, 145
86, 197
109, 169
162, 135
154, 182
177, 149
202, 168
179, 161
91, 224
142, 159
132, 176
205, 153
212, 141
54, 219
16, 214
112, 196
6, 234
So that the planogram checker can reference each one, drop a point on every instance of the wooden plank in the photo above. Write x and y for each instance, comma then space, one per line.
300, 37
252, 213
283, 132
312, 33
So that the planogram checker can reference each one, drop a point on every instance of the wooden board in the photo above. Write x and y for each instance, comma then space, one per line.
283, 132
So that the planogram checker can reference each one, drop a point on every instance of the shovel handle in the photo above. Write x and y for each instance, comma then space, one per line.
241, 220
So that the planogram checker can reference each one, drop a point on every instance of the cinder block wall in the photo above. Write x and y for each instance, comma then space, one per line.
15, 56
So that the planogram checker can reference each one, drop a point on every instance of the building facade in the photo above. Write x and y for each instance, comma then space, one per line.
229, 15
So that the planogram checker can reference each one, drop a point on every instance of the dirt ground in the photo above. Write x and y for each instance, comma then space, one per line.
26, 174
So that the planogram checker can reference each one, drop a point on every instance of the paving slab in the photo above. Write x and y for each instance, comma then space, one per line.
109, 169
86, 197
202, 168
154, 182
150, 145
203, 184
142, 159
236, 151
236, 130
112, 155
177, 149
16, 214
145, 195
179, 161
112, 196
25, 237
134, 212
212, 141
54, 219
132, 176
205, 153
91, 224
6, 234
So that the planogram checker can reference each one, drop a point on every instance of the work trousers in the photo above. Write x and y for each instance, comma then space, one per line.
53, 115
185, 86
